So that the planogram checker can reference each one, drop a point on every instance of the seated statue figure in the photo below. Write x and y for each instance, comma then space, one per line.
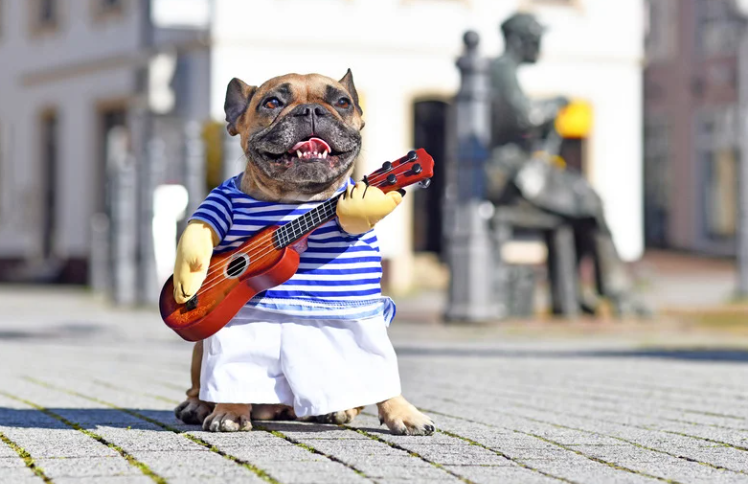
520, 171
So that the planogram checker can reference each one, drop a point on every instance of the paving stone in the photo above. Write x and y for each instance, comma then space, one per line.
86, 467
11, 475
500, 474
141, 479
6, 462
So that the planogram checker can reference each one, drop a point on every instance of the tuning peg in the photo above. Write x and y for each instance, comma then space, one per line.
425, 183
391, 179
417, 168
412, 155
386, 166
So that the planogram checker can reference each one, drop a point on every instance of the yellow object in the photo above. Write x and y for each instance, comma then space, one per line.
194, 251
555, 159
575, 120
559, 162
361, 207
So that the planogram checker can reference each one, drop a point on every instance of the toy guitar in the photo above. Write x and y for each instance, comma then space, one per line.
270, 257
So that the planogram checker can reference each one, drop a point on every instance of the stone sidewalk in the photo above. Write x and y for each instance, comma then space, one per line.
87, 392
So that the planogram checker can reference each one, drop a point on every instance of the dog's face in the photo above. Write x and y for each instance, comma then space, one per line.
300, 133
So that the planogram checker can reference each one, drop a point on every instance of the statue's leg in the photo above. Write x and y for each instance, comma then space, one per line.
583, 238
610, 271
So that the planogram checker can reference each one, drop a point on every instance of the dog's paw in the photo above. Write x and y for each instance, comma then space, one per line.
340, 417
403, 418
193, 411
272, 412
228, 417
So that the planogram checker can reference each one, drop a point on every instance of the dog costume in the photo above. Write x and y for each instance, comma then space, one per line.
319, 341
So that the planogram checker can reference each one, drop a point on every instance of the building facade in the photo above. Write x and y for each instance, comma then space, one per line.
691, 126
62, 90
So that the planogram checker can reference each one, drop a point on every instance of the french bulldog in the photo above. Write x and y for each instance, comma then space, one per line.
301, 135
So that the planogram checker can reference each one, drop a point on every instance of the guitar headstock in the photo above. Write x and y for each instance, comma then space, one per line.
415, 167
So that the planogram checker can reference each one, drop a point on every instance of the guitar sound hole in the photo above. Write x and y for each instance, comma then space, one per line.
237, 266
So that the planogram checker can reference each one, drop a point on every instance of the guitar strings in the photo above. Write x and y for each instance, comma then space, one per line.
215, 277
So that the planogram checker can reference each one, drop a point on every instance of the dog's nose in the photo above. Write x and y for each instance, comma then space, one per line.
313, 110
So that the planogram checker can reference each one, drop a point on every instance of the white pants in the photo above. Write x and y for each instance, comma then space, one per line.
317, 366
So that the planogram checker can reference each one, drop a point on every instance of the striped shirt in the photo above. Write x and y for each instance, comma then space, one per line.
339, 274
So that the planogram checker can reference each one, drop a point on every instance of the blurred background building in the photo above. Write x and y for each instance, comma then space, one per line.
691, 126
72, 70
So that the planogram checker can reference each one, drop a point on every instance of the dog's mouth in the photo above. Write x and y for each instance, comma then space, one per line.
312, 149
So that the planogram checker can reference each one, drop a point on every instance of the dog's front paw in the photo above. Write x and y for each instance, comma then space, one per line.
341, 417
228, 417
193, 411
403, 418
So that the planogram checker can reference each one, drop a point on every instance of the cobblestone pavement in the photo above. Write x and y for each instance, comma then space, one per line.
87, 392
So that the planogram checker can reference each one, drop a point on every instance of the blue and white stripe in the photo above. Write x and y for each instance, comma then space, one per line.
339, 275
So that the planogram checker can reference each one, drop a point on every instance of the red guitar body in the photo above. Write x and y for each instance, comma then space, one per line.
260, 263
214, 308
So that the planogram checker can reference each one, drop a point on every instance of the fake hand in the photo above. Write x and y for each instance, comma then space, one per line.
361, 207
194, 251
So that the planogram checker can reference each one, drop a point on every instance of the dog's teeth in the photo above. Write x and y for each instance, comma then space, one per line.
314, 154
298, 153
324, 154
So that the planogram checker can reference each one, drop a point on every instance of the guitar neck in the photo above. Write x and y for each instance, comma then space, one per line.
415, 167
297, 228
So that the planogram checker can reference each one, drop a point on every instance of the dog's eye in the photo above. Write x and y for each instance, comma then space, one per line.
272, 103
343, 102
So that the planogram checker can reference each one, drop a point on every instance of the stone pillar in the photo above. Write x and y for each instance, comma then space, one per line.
742, 235
194, 166
471, 294
234, 160
99, 268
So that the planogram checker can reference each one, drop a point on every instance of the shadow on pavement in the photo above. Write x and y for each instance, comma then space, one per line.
93, 418
686, 354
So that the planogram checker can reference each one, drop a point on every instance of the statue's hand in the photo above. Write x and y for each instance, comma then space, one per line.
562, 101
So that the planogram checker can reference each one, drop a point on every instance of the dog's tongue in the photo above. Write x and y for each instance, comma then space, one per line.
313, 145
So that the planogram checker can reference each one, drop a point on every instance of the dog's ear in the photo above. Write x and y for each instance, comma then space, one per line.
347, 82
238, 95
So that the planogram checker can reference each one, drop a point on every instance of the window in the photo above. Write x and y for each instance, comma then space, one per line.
45, 15
717, 28
48, 142
718, 156
661, 40
102, 9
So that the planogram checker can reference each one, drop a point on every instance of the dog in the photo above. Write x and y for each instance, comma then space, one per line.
301, 135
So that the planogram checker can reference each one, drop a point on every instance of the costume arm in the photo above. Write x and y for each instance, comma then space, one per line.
362, 206
194, 251
207, 227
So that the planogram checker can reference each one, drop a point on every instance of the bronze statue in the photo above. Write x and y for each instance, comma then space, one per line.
524, 140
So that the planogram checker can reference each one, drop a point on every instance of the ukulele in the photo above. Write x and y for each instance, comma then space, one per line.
270, 257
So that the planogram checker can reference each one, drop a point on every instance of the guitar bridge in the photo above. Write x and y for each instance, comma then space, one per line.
191, 304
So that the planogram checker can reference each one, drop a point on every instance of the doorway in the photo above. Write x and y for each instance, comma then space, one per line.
430, 133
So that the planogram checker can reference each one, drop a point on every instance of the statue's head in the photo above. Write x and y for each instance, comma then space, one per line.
522, 34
